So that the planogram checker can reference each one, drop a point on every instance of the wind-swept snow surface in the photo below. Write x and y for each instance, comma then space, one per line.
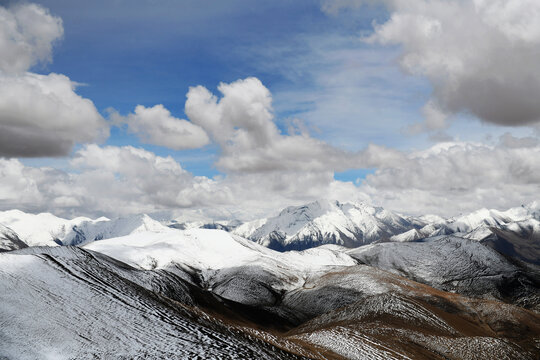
66, 303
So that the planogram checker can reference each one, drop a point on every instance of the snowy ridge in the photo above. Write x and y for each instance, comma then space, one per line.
325, 222
294, 228
209, 251
49, 230
39, 230
9, 240
89, 231
356, 224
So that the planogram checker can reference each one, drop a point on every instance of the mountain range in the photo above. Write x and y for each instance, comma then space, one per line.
325, 280
297, 227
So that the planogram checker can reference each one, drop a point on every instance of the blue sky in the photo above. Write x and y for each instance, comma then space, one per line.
383, 102
126, 53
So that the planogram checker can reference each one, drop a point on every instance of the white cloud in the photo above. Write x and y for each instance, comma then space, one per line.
155, 125
40, 115
242, 124
265, 169
480, 56
447, 179
106, 180
451, 178
27, 34
116, 181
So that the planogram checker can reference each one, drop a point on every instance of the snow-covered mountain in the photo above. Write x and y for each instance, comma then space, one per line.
39, 229
357, 224
326, 222
89, 231
170, 293
212, 257
455, 264
295, 228
188, 293
49, 230
258, 274
9, 240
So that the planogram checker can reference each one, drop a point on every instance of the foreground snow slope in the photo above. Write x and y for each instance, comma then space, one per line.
66, 303
77, 303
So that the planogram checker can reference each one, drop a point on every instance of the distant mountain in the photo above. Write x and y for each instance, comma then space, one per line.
89, 231
216, 225
327, 222
49, 230
515, 232
39, 229
356, 224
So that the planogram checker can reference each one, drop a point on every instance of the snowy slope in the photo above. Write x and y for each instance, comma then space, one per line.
48, 230
211, 253
322, 302
326, 222
230, 266
454, 264
89, 231
411, 322
39, 229
9, 240
65, 303
520, 240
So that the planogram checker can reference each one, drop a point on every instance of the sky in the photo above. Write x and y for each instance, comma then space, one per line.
236, 109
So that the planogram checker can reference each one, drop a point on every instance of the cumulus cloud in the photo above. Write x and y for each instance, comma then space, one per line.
451, 178
155, 125
447, 179
115, 181
40, 115
265, 169
480, 56
106, 180
27, 35
242, 123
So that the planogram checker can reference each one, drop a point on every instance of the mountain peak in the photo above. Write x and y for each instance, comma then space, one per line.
327, 222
